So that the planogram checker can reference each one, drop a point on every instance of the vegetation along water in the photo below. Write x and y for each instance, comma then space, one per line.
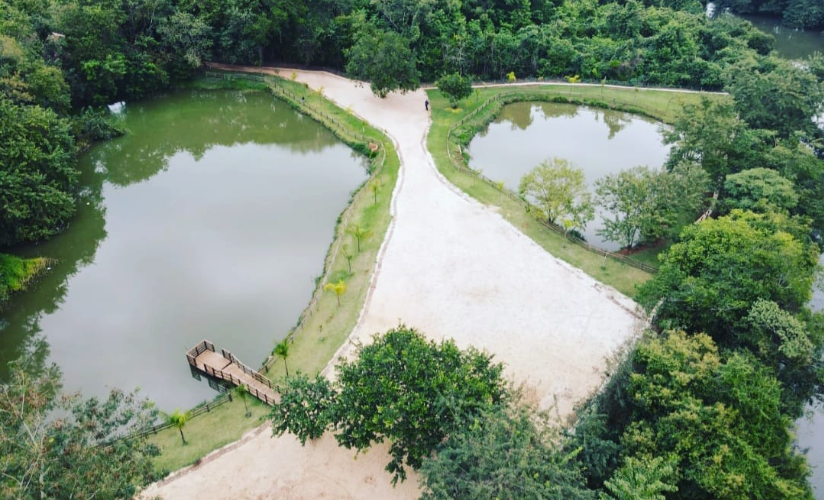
598, 141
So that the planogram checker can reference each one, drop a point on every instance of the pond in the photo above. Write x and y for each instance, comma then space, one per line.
790, 43
599, 141
209, 220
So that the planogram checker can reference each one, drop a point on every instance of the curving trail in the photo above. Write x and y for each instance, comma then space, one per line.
452, 268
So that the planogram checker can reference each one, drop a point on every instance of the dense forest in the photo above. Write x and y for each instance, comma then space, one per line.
61, 59
703, 407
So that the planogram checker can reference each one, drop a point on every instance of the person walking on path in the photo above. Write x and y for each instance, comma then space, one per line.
426, 104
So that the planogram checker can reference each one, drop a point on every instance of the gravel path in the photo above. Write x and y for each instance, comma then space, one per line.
452, 268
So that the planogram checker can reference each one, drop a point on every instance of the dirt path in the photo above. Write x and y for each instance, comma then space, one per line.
452, 268
456, 269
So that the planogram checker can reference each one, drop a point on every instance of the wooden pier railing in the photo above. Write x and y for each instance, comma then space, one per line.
225, 366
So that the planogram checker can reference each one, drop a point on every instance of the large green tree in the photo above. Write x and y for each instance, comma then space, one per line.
560, 192
771, 93
686, 422
61, 446
712, 135
647, 204
720, 421
710, 279
759, 189
38, 178
401, 388
509, 452
384, 59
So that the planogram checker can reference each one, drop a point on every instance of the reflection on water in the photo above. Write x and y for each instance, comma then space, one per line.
209, 220
790, 43
599, 141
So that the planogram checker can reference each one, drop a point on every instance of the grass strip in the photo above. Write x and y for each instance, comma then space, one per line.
17, 273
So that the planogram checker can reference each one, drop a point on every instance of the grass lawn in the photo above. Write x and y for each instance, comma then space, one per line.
661, 105
17, 273
326, 324
224, 424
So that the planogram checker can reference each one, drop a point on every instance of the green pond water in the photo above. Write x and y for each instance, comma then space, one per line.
790, 43
209, 220
599, 141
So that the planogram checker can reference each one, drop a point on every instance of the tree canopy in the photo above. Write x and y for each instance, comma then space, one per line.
692, 424
646, 204
560, 192
402, 388
61, 446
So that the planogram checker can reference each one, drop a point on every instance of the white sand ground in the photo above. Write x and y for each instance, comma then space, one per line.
264, 468
451, 268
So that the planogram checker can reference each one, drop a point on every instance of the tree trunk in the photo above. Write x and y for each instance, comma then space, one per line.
180, 429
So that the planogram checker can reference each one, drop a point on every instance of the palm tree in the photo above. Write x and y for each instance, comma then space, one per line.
242, 392
360, 233
178, 420
348, 255
375, 186
282, 351
339, 288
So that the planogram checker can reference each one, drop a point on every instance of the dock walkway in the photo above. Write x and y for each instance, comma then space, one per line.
204, 358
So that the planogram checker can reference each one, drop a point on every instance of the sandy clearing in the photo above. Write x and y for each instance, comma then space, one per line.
264, 468
453, 269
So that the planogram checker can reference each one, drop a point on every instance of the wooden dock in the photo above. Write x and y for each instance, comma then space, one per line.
204, 358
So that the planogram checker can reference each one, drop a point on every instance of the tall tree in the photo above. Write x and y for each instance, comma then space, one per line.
711, 134
559, 189
710, 279
401, 388
412, 392
178, 419
282, 351
38, 178
61, 446
759, 189
647, 204
774, 94
509, 452
384, 59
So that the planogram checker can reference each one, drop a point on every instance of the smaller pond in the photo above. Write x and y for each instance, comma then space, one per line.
599, 141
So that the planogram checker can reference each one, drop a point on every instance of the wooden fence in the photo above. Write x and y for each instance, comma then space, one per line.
199, 349
491, 105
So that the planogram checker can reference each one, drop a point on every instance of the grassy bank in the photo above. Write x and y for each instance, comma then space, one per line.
324, 325
16, 273
222, 425
486, 104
